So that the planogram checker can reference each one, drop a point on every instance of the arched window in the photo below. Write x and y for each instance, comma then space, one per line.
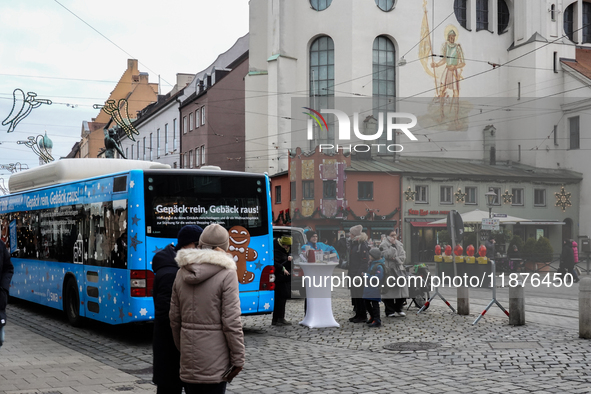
322, 81
553, 12
384, 82
320, 5
460, 9
569, 22
385, 5
502, 16
586, 21
481, 15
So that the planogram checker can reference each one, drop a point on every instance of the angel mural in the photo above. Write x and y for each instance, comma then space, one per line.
447, 75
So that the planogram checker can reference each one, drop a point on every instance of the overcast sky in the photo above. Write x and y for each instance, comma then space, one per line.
48, 47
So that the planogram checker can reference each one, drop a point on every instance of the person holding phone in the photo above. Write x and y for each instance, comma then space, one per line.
205, 314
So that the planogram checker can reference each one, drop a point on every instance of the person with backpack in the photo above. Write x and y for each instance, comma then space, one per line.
372, 290
394, 256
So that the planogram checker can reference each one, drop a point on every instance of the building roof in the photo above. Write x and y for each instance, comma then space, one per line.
463, 169
582, 63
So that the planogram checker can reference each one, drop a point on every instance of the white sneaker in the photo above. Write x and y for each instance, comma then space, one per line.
401, 314
392, 314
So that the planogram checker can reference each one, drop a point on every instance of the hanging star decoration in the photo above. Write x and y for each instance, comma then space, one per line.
36, 145
507, 197
410, 194
563, 199
460, 196
119, 114
22, 110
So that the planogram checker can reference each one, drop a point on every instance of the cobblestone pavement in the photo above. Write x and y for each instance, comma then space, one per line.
45, 355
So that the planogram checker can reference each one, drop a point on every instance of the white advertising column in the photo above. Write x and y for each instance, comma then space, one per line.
319, 310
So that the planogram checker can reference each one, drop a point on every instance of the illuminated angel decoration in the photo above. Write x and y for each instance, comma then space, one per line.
18, 113
119, 114
14, 167
37, 146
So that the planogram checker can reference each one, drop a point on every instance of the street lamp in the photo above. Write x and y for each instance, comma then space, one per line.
490, 200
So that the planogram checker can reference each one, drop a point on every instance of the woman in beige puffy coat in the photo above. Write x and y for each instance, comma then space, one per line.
394, 256
205, 314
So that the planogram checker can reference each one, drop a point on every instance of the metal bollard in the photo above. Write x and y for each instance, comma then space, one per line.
585, 308
517, 305
463, 301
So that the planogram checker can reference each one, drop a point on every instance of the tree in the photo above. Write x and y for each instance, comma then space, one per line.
529, 249
516, 240
544, 250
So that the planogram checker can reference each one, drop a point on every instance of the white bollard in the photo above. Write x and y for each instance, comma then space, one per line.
585, 308
517, 305
463, 301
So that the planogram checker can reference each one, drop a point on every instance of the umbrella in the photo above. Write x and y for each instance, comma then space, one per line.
476, 216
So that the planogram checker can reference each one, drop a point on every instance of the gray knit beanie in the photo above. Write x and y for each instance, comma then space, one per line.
214, 236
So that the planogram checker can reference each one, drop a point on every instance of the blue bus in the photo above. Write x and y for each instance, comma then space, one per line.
82, 233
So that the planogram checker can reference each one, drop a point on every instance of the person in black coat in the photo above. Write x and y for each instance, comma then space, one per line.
166, 355
282, 262
358, 265
6, 271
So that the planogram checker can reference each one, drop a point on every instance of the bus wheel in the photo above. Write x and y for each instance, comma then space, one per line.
72, 303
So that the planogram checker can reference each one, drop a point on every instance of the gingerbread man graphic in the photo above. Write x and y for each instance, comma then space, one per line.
239, 240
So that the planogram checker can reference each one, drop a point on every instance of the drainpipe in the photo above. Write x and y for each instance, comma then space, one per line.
180, 134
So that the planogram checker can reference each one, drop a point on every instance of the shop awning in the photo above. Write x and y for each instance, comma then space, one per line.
536, 223
427, 224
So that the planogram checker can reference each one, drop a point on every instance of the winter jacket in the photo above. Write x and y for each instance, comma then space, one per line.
358, 255
394, 256
376, 269
166, 356
321, 246
6, 270
205, 315
576, 252
282, 281
567, 258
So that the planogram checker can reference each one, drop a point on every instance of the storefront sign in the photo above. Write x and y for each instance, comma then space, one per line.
423, 212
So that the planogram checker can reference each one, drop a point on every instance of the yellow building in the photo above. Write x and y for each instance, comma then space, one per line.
139, 93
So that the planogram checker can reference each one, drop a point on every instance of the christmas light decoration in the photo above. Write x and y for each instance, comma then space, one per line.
563, 199
37, 146
460, 196
19, 112
507, 197
119, 114
410, 194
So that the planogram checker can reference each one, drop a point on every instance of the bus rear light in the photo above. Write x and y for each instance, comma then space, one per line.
141, 283
267, 278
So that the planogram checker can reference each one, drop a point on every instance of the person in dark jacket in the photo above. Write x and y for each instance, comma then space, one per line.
372, 293
166, 355
282, 262
6, 271
358, 264
567, 260
490, 248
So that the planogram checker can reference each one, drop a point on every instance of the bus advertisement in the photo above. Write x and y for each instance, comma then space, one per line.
86, 246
